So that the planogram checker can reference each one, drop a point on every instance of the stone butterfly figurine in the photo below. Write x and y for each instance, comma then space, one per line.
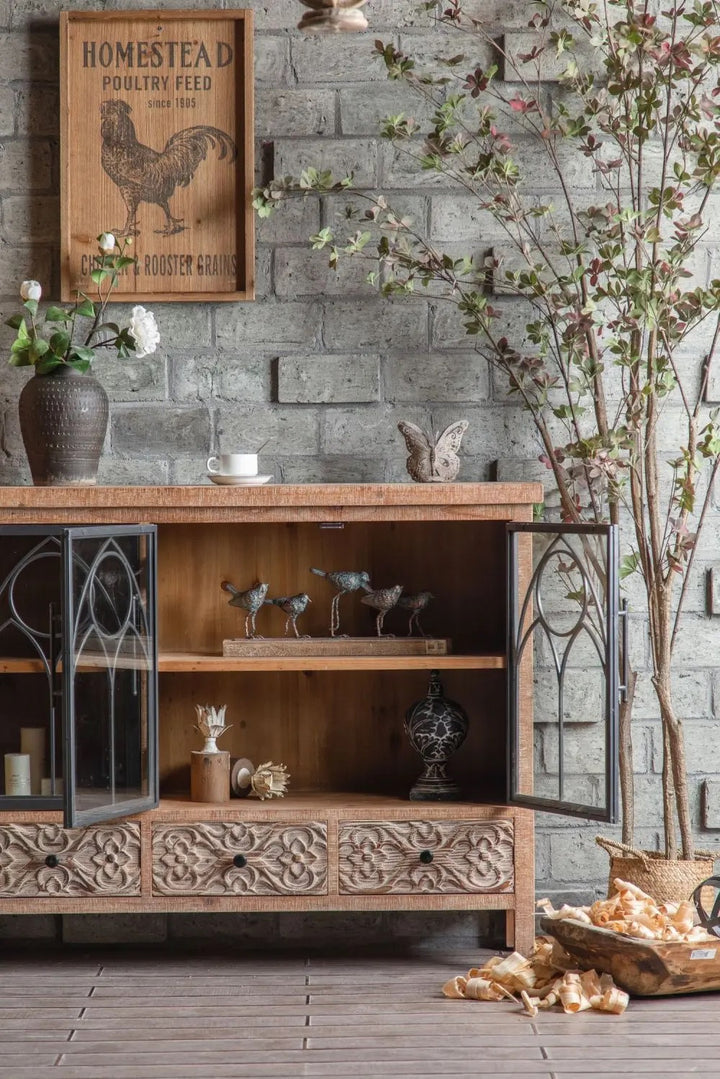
333, 15
433, 459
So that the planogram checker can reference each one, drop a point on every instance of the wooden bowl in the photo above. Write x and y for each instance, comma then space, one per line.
643, 968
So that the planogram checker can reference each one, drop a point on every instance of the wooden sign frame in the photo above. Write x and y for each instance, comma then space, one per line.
156, 145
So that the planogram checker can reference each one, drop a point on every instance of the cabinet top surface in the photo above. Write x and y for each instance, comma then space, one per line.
270, 495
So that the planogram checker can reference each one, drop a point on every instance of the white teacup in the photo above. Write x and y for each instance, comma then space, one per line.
233, 464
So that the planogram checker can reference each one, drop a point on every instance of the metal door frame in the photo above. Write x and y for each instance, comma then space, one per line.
79, 818
609, 812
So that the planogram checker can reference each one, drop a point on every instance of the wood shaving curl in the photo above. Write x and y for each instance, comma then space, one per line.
633, 913
543, 980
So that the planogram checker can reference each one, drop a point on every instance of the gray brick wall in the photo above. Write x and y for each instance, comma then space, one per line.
320, 364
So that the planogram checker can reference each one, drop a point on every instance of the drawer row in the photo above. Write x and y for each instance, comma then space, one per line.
236, 858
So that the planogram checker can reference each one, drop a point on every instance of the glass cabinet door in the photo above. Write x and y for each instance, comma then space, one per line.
109, 672
563, 681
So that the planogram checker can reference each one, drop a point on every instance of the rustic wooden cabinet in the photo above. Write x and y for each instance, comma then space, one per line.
118, 696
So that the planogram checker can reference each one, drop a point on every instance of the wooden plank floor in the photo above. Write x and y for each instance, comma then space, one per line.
165, 1014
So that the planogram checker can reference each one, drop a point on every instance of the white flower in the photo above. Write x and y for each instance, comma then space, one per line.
30, 290
143, 329
106, 242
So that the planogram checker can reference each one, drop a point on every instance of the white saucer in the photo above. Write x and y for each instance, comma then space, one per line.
237, 481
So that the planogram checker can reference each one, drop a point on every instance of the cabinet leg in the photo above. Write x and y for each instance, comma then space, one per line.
510, 929
520, 931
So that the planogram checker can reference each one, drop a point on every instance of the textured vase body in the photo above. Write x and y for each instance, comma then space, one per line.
63, 420
436, 728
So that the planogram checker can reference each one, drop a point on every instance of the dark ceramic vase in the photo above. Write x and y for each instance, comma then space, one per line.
63, 420
436, 727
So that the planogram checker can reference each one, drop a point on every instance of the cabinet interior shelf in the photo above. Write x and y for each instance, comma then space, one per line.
190, 662
478, 803
187, 661
487, 802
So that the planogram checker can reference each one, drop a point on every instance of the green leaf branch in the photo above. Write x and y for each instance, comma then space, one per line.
59, 338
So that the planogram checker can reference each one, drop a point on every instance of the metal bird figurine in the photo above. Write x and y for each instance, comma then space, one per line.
345, 580
251, 601
415, 604
293, 607
383, 600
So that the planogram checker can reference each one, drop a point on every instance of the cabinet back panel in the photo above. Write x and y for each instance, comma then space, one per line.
30, 576
462, 563
334, 730
25, 702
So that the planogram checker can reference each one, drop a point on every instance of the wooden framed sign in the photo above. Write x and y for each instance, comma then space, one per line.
157, 147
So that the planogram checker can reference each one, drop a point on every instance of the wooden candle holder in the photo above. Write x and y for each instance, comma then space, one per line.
210, 776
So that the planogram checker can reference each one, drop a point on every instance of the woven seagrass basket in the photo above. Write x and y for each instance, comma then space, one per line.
666, 881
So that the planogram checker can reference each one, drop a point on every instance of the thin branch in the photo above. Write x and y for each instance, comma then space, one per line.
691, 558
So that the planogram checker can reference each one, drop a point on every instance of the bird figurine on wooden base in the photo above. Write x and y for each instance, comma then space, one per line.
383, 600
345, 581
416, 604
250, 600
293, 607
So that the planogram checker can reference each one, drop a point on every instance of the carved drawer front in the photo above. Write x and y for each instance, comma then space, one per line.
233, 858
48, 860
426, 856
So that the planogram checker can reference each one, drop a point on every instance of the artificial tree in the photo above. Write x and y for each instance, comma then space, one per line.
614, 305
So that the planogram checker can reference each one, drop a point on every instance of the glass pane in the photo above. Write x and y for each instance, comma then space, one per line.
111, 642
30, 735
564, 642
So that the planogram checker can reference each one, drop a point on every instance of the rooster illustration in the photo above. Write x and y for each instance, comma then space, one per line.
146, 175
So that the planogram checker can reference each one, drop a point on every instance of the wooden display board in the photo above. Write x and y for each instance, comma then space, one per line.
157, 145
337, 646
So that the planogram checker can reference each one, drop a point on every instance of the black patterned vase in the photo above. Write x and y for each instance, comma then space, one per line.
436, 728
63, 420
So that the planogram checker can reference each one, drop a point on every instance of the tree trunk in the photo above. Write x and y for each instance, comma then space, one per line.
675, 788
675, 740
668, 787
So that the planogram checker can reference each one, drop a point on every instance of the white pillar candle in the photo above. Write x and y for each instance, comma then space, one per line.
46, 787
32, 742
17, 774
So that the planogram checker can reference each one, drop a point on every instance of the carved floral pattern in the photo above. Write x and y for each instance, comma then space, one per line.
467, 856
103, 860
197, 859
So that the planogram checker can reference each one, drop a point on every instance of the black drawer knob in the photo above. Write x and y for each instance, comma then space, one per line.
52, 861
426, 856
239, 860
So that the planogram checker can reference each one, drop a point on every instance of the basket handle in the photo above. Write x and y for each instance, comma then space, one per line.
612, 846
